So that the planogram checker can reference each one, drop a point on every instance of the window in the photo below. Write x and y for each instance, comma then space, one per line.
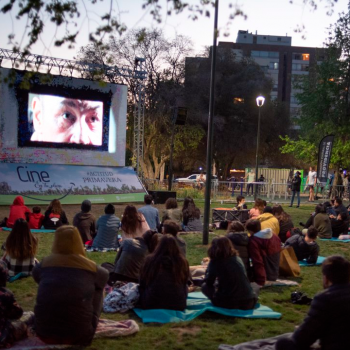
273, 54
275, 87
300, 67
278, 39
306, 57
270, 54
296, 56
273, 65
264, 54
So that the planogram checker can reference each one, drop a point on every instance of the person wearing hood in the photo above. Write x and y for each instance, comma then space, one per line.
17, 211
264, 250
240, 240
268, 220
36, 218
164, 277
85, 222
70, 292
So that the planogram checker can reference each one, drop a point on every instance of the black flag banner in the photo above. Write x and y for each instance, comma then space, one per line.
324, 157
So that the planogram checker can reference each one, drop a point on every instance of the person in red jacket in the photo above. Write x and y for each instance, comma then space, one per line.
264, 250
36, 218
17, 211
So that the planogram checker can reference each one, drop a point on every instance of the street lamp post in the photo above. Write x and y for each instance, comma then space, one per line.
260, 102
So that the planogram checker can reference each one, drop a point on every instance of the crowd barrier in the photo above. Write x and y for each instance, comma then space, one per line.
228, 190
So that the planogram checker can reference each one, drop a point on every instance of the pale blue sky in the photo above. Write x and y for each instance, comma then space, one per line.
269, 17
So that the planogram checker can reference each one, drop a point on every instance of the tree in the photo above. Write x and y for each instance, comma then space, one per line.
102, 16
324, 100
164, 60
238, 83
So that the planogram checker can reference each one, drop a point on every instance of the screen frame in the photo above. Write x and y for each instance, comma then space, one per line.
41, 84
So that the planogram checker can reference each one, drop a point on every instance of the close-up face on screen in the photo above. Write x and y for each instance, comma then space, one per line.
65, 120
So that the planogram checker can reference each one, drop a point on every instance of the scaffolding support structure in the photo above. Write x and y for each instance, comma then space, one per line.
91, 71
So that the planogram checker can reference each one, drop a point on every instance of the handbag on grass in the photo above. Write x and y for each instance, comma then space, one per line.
289, 265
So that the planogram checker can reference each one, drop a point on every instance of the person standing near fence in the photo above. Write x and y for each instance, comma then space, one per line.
250, 181
296, 182
311, 182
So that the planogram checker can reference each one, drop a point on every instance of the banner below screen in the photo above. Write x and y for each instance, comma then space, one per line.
324, 158
71, 184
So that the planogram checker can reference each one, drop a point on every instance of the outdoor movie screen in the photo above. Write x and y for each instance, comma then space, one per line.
60, 119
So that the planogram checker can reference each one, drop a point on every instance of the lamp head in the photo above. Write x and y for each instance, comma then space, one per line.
260, 101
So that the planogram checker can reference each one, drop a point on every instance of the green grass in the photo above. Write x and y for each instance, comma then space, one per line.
209, 330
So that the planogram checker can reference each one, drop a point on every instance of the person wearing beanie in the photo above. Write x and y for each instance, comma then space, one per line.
85, 222
70, 292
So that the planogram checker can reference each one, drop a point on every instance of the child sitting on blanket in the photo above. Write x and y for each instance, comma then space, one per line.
226, 282
172, 228
10, 331
36, 218
164, 277
305, 247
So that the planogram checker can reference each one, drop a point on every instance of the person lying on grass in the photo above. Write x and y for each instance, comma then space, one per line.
329, 315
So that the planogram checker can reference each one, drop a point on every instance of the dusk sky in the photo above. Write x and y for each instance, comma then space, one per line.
268, 17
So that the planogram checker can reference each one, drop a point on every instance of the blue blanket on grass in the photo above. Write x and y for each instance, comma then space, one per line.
32, 230
198, 303
319, 261
335, 240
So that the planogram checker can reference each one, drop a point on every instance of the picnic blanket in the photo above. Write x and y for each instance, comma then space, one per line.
197, 304
280, 283
105, 329
31, 230
319, 261
335, 240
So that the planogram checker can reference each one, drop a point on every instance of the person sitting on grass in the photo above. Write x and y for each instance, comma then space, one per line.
257, 210
329, 314
17, 211
268, 220
226, 283
264, 250
305, 247
107, 229
131, 257
70, 292
164, 277
150, 213
240, 203
340, 224
172, 228
133, 223
240, 241
10, 331
21, 247
322, 222
193, 219
85, 222
339, 207
55, 216
172, 212
36, 219
284, 220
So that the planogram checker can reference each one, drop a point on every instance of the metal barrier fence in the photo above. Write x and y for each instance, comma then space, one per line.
228, 190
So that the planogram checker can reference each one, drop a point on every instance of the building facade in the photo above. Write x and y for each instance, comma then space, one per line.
281, 61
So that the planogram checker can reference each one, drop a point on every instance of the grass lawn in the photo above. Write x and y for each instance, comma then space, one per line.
209, 330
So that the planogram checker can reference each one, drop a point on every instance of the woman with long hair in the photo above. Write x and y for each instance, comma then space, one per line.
226, 283
172, 212
284, 220
55, 216
70, 292
322, 222
21, 247
164, 277
257, 210
134, 223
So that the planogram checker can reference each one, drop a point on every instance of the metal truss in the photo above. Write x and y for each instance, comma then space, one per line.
90, 71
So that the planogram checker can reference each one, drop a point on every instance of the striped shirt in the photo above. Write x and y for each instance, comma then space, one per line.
107, 232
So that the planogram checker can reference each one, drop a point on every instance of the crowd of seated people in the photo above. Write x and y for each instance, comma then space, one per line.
240, 263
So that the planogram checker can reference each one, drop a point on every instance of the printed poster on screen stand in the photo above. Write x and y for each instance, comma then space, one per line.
71, 184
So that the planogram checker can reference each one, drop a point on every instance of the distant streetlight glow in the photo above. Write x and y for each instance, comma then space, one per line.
260, 101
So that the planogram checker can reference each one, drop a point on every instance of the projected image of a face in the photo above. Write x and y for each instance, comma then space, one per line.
65, 120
